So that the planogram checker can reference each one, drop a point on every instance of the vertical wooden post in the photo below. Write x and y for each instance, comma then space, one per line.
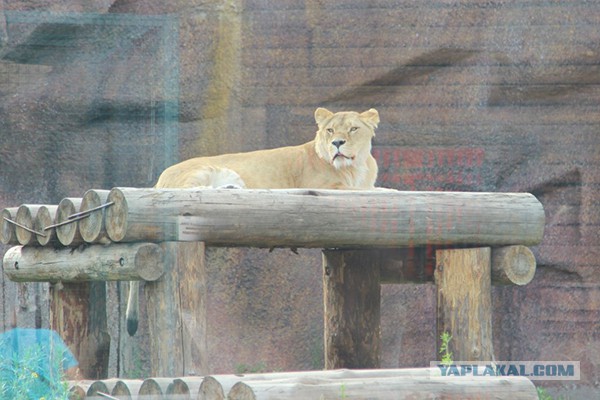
351, 291
464, 302
78, 314
176, 309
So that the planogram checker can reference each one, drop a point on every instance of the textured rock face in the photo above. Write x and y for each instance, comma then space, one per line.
472, 96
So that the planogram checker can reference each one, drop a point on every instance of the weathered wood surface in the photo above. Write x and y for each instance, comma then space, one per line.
464, 302
92, 228
78, 315
351, 292
44, 218
125, 261
333, 384
68, 234
24, 228
324, 218
228, 381
176, 309
7, 229
395, 388
105, 387
211, 389
157, 387
513, 265
127, 388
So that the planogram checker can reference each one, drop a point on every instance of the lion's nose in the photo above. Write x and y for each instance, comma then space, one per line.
338, 143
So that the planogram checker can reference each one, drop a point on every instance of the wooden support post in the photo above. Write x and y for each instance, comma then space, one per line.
464, 302
78, 314
351, 291
176, 309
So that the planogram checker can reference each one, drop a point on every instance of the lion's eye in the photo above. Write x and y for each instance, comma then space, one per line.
353, 129
330, 130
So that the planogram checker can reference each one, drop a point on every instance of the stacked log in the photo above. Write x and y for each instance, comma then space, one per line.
44, 218
274, 218
126, 261
419, 383
7, 227
67, 229
319, 219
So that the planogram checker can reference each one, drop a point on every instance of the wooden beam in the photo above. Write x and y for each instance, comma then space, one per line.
7, 229
351, 291
45, 217
176, 309
92, 228
464, 302
126, 261
24, 223
512, 265
78, 314
68, 233
404, 387
324, 219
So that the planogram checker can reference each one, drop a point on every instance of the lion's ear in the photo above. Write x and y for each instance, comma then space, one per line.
371, 117
321, 114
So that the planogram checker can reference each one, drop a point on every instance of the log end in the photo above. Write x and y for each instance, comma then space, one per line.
7, 229
241, 391
92, 227
210, 388
513, 265
45, 217
25, 216
149, 262
68, 234
116, 215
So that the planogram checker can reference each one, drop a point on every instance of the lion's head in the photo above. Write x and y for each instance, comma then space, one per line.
344, 138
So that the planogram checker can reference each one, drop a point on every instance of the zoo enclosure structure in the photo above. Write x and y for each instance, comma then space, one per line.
368, 237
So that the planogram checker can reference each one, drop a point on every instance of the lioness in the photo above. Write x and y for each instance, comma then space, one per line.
338, 158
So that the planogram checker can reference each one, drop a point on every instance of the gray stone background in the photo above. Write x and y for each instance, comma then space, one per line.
473, 95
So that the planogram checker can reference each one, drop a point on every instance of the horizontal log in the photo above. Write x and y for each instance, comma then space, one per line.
157, 387
7, 228
228, 381
211, 389
125, 262
78, 389
68, 233
45, 217
103, 387
92, 227
394, 388
24, 223
324, 218
513, 265
126, 388
380, 384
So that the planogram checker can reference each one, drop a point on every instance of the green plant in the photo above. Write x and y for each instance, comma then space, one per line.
544, 395
32, 375
251, 369
445, 349
343, 391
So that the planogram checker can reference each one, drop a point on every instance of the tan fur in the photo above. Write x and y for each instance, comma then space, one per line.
316, 164
310, 165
